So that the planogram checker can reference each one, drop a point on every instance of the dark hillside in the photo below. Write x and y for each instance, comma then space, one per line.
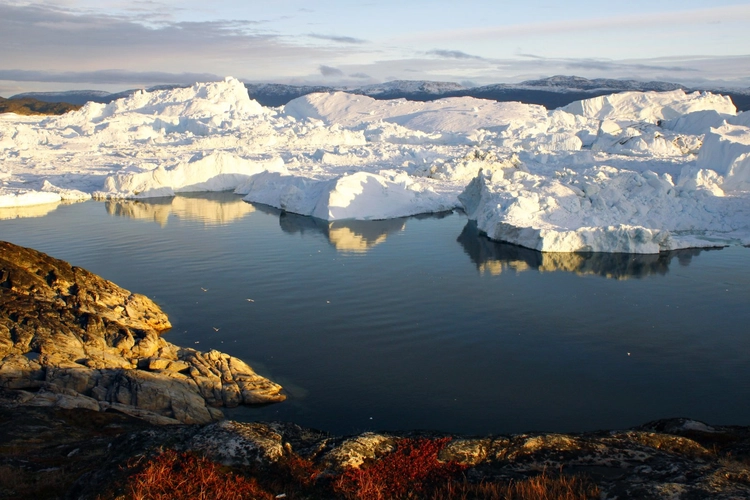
35, 107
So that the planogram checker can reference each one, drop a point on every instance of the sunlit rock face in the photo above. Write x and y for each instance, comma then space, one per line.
78, 340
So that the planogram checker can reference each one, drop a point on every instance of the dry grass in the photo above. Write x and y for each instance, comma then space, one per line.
186, 476
412, 471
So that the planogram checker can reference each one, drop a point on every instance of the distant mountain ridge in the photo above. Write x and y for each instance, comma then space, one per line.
552, 92
28, 106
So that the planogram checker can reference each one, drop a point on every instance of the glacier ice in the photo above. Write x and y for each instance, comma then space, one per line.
637, 172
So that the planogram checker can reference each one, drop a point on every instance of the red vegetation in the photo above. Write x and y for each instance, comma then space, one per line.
412, 471
186, 476
409, 472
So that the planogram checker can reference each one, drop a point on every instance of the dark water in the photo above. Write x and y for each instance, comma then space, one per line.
422, 322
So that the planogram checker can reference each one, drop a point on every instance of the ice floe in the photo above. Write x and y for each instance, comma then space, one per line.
636, 172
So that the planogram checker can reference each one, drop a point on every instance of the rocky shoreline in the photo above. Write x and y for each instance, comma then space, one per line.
71, 339
86, 454
87, 384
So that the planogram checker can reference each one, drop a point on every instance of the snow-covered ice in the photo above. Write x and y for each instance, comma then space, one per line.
637, 172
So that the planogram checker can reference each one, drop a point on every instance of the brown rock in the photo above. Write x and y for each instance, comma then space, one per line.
90, 343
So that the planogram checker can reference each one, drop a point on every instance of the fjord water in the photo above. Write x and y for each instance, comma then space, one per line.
422, 323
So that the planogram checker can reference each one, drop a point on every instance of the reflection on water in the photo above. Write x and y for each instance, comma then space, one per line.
493, 258
32, 211
411, 336
208, 208
352, 236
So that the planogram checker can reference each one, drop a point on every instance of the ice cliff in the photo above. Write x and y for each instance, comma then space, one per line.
634, 172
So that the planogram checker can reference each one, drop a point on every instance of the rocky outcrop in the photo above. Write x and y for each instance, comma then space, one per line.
675, 458
666, 459
70, 338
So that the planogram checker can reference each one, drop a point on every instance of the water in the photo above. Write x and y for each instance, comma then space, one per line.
422, 323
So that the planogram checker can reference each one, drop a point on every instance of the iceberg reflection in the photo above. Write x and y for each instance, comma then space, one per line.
494, 258
208, 208
348, 236
27, 211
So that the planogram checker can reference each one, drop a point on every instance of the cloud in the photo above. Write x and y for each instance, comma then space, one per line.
360, 75
330, 71
107, 77
452, 54
50, 39
339, 39
604, 65
577, 24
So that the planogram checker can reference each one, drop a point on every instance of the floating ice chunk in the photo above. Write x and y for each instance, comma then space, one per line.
465, 169
215, 172
65, 194
726, 150
601, 209
361, 196
697, 122
643, 139
26, 197
452, 115
650, 107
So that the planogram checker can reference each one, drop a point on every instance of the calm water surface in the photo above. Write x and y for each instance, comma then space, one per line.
421, 322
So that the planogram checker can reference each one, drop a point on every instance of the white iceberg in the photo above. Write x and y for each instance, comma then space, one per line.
215, 172
631, 172
358, 196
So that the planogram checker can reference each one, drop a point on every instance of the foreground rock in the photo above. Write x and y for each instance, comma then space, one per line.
71, 339
84, 453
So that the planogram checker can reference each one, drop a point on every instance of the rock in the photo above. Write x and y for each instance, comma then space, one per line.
235, 443
666, 459
353, 452
90, 344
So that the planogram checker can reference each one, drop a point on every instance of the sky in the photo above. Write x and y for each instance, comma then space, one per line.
115, 45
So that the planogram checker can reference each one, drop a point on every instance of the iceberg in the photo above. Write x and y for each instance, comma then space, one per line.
636, 172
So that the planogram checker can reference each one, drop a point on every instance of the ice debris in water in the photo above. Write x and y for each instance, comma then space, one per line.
631, 172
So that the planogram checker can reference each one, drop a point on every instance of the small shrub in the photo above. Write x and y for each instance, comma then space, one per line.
411, 471
178, 476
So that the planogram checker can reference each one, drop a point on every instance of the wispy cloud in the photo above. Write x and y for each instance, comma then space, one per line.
328, 71
53, 40
632, 21
338, 39
106, 77
603, 64
452, 54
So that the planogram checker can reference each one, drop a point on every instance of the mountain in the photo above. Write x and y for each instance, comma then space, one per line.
276, 94
28, 106
565, 83
552, 92
71, 96
81, 97
413, 90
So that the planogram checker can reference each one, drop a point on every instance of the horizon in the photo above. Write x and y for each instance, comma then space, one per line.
113, 46
350, 87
